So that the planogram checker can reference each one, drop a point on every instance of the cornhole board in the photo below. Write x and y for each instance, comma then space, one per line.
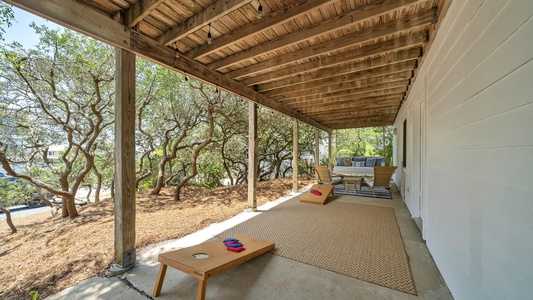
309, 197
208, 259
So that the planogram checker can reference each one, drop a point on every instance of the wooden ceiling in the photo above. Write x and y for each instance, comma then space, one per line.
331, 64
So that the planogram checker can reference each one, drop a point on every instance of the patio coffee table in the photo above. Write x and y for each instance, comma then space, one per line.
350, 180
208, 259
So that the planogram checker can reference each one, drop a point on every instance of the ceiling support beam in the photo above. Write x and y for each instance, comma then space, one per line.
361, 78
311, 78
77, 17
340, 91
362, 13
404, 24
289, 12
410, 41
139, 11
210, 14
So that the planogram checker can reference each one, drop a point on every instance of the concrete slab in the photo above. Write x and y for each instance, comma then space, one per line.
96, 288
268, 276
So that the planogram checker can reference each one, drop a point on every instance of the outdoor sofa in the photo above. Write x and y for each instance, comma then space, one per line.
357, 165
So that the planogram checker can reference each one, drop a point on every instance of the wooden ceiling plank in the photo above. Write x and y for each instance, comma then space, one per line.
362, 13
379, 31
363, 119
354, 104
345, 82
354, 94
347, 68
139, 11
348, 100
342, 90
276, 17
398, 70
210, 14
80, 18
323, 62
391, 109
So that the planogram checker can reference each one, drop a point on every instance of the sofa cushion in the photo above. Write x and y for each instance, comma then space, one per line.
370, 161
378, 162
359, 158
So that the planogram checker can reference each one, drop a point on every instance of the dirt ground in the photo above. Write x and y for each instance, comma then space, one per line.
50, 254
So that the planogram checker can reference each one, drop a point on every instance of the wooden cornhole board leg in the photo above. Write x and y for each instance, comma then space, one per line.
218, 260
309, 197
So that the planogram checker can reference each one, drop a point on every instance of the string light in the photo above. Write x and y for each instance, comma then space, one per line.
176, 54
209, 36
259, 10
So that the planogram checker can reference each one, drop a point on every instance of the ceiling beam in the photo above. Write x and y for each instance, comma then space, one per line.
361, 14
389, 59
340, 90
363, 124
139, 11
343, 94
210, 14
363, 119
394, 72
289, 12
404, 24
406, 42
345, 100
391, 109
78, 17
354, 104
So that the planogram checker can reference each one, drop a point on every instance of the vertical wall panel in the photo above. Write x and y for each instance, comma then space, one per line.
477, 79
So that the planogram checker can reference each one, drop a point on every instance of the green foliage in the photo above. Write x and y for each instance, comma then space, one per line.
369, 141
14, 192
6, 17
210, 173
34, 295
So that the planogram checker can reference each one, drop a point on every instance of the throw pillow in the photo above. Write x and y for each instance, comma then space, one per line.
347, 162
370, 161
339, 161
379, 160
359, 163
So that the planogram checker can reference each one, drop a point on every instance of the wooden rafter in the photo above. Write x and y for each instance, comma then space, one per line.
320, 75
277, 17
380, 48
208, 15
363, 13
377, 32
139, 11
377, 75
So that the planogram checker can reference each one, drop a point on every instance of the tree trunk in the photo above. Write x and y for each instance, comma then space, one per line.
9, 220
98, 185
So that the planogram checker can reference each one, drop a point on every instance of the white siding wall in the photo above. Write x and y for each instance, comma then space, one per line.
477, 85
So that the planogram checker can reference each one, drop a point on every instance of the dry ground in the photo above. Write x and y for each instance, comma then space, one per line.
50, 254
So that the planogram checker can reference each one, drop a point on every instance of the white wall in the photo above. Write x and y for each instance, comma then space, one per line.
477, 87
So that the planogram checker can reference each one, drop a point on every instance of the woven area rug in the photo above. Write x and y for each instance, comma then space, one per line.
361, 241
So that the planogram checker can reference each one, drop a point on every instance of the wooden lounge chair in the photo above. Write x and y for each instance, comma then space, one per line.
382, 178
324, 176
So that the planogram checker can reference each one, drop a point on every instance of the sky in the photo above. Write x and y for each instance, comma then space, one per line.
20, 30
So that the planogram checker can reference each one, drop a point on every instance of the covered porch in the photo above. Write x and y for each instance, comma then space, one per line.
270, 276
453, 78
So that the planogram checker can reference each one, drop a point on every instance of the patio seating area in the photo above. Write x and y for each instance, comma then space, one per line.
271, 276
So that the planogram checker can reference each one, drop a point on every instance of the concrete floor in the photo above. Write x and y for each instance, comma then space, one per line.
268, 276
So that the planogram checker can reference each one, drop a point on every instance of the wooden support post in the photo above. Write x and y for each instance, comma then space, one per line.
329, 150
125, 160
252, 156
295, 155
317, 147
